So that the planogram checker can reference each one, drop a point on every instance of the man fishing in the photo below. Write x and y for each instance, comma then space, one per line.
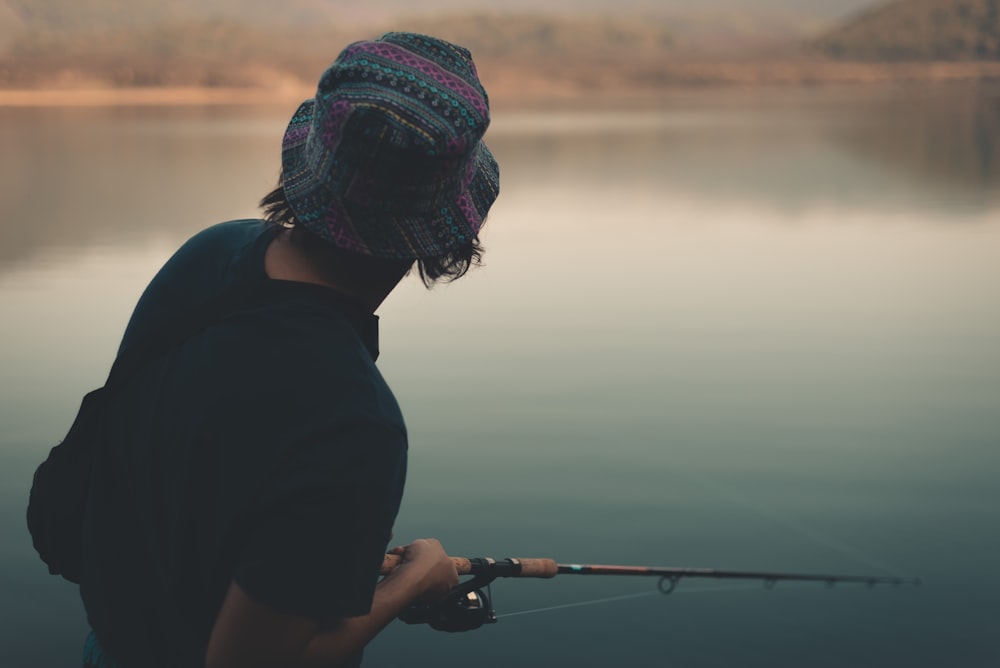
243, 500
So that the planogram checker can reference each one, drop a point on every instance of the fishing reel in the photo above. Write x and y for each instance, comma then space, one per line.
466, 607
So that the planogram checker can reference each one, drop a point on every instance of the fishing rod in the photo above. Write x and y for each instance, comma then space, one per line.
468, 606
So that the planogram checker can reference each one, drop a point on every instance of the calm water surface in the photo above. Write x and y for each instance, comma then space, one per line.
744, 330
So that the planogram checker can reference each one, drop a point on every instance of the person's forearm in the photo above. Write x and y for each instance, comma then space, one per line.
334, 646
248, 634
251, 634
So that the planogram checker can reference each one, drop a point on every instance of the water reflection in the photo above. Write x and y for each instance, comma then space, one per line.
74, 177
851, 149
949, 136
120, 176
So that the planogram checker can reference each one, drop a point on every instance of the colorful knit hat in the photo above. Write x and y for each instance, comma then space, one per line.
388, 160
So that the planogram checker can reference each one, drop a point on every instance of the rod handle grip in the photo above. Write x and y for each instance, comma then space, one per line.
538, 568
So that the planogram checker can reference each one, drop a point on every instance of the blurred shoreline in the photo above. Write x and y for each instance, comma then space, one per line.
512, 86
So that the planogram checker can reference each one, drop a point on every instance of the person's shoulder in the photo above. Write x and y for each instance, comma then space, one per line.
228, 233
215, 254
209, 262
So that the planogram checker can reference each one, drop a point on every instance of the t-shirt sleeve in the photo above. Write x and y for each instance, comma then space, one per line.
323, 523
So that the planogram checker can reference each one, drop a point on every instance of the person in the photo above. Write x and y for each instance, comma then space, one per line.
246, 492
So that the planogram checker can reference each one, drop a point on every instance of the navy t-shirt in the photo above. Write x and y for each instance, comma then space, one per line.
266, 449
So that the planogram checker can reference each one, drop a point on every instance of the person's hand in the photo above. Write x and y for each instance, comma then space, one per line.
428, 566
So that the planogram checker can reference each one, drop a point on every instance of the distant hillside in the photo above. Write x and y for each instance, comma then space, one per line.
74, 14
226, 52
222, 43
225, 45
921, 30
239, 43
527, 36
71, 15
171, 53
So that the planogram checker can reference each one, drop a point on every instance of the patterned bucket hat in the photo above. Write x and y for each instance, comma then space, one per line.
388, 159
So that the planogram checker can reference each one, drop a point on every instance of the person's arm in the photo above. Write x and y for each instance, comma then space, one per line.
250, 634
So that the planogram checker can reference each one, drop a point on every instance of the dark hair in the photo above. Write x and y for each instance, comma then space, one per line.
444, 268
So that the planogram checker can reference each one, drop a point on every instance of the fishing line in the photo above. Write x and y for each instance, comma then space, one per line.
580, 604
625, 597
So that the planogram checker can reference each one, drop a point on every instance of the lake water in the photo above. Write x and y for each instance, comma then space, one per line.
742, 329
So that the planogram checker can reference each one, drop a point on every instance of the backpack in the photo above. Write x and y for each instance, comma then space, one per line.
57, 503
58, 498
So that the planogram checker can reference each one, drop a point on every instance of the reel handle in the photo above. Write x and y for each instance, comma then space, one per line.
506, 568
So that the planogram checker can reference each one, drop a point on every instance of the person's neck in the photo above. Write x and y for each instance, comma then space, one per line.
284, 260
